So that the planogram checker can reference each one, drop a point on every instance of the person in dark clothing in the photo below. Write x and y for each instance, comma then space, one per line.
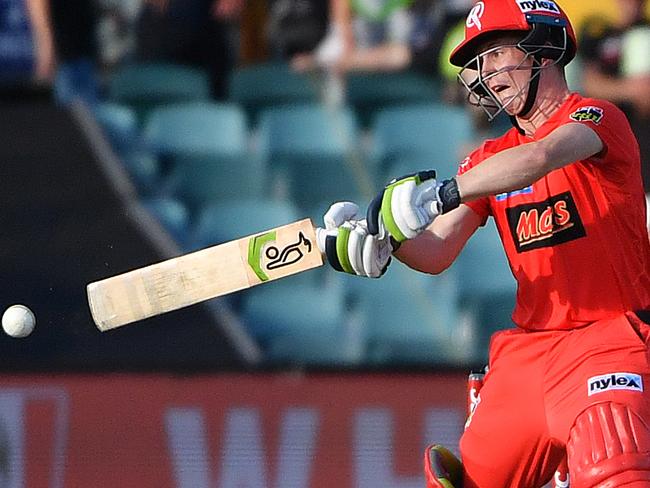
617, 67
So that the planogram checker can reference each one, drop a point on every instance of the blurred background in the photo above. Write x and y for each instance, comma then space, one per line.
132, 131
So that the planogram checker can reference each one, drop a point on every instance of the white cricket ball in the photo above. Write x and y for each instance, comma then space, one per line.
18, 321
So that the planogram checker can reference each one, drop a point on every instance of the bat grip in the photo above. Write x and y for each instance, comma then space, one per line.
321, 237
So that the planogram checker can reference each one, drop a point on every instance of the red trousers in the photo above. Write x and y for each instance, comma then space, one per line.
536, 386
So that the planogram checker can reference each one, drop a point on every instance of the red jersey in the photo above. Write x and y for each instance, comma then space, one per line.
576, 239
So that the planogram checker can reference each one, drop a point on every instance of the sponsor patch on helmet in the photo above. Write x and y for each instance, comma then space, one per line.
588, 114
538, 6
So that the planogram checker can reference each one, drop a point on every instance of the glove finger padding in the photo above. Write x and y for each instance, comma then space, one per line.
406, 205
340, 212
376, 256
373, 215
353, 250
402, 207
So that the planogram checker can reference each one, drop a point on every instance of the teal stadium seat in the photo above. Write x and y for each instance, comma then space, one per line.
370, 92
487, 287
301, 324
172, 215
265, 85
430, 134
314, 152
120, 126
197, 127
145, 172
204, 147
232, 219
144, 86
410, 318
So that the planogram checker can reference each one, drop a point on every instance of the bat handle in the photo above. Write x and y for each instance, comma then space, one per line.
321, 236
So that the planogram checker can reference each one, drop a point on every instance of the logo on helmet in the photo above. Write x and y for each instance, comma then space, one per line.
538, 6
474, 16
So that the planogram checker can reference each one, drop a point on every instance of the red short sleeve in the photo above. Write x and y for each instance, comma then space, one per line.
613, 128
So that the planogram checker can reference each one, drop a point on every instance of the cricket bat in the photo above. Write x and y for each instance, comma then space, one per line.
204, 274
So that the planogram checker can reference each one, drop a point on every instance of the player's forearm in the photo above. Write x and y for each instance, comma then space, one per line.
508, 170
426, 253
435, 249
521, 166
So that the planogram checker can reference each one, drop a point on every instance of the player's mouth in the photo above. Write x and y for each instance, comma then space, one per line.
500, 88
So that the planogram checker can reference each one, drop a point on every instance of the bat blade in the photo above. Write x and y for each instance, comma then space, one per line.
202, 275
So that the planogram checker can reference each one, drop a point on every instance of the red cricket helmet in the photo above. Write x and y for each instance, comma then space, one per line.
542, 21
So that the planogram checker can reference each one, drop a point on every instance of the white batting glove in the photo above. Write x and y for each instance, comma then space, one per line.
407, 205
348, 245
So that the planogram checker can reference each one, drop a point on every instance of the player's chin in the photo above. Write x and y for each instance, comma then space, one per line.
512, 105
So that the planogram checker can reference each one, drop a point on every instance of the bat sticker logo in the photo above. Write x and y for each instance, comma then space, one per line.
287, 256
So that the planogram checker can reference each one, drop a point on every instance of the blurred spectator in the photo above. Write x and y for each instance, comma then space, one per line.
42, 37
297, 26
54, 42
116, 32
617, 67
74, 25
375, 36
26, 42
201, 33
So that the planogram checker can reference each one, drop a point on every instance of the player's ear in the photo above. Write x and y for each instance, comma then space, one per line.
546, 62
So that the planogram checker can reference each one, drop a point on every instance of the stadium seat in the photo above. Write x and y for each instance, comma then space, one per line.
120, 125
487, 287
314, 152
203, 148
341, 347
144, 86
145, 172
197, 128
261, 86
172, 215
410, 317
421, 133
368, 93
201, 179
301, 323
232, 219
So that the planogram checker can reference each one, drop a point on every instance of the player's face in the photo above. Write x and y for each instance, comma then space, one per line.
506, 70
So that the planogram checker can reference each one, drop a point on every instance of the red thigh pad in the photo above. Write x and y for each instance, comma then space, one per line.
609, 446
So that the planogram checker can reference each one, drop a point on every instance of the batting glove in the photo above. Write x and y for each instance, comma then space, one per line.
348, 245
407, 205
441, 468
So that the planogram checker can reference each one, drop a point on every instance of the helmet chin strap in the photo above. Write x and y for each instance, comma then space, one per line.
533, 87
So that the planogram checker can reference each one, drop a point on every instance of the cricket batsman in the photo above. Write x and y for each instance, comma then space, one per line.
564, 188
